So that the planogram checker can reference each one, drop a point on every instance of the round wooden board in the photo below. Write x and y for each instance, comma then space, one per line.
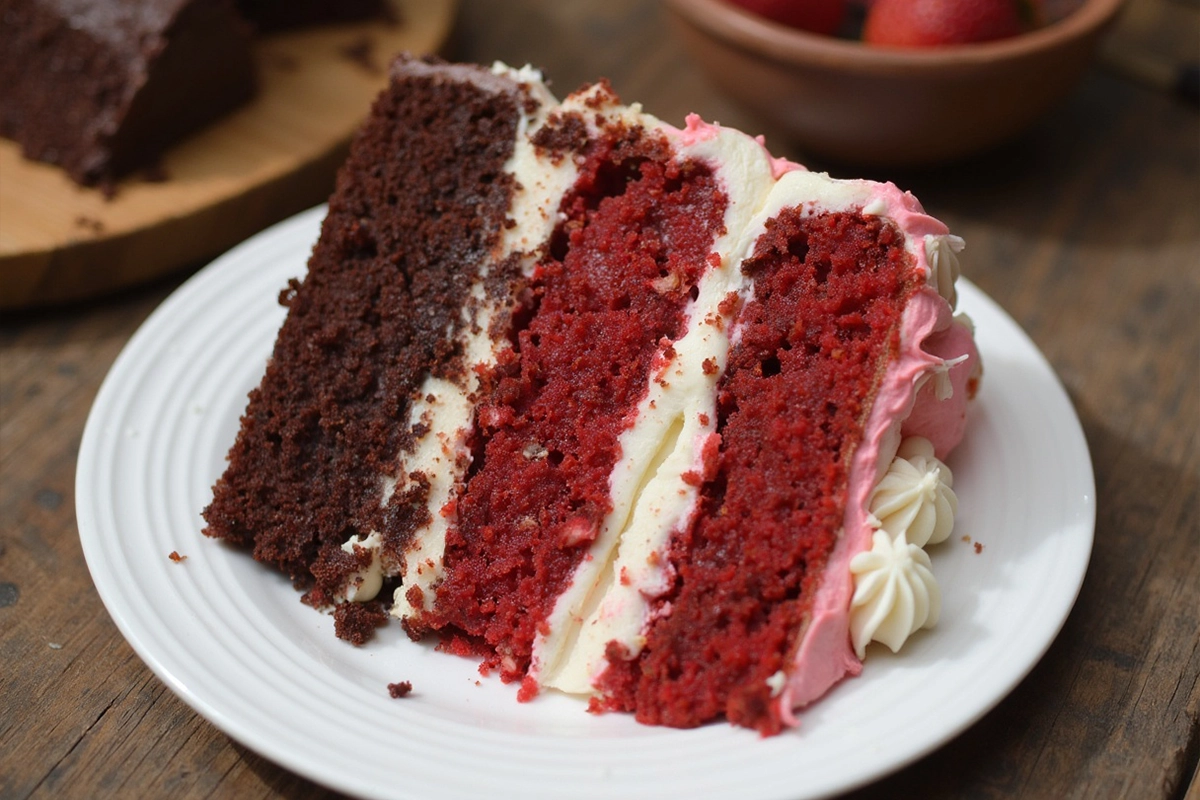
272, 158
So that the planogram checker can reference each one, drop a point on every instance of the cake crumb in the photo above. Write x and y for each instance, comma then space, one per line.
356, 622
90, 223
528, 691
401, 689
178, 559
978, 548
966, 539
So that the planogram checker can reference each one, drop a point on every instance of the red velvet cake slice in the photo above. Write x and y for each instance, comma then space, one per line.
628, 411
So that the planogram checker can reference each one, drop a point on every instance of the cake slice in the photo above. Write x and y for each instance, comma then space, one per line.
628, 411
103, 88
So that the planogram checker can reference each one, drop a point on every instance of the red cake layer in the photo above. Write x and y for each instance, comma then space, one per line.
638, 230
814, 341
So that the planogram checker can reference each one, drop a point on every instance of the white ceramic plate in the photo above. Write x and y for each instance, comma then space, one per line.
232, 639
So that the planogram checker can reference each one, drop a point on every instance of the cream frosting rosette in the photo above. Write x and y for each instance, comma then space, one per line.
912, 506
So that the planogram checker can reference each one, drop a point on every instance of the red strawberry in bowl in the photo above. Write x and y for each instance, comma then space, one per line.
929, 23
816, 16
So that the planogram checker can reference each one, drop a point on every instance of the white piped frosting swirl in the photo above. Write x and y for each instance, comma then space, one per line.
942, 254
916, 498
895, 593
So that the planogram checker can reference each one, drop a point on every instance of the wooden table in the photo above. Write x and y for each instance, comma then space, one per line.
1087, 231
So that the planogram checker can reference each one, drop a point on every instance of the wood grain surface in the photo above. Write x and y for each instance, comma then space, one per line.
270, 159
1087, 230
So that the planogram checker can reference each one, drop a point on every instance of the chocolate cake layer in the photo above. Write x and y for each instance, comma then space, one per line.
102, 88
419, 205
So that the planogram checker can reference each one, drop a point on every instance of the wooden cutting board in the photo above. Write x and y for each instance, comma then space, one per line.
272, 158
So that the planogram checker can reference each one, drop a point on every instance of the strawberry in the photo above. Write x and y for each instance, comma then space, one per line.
817, 16
928, 23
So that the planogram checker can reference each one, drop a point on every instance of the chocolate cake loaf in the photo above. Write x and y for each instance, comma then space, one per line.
101, 88
632, 412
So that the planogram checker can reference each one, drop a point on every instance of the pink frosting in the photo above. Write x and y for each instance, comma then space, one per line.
942, 422
697, 130
905, 210
928, 337
779, 166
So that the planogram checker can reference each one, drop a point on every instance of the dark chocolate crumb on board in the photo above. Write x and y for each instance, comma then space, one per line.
89, 223
401, 689
178, 559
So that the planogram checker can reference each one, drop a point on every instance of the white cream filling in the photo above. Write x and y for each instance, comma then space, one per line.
776, 682
541, 183
626, 567
441, 456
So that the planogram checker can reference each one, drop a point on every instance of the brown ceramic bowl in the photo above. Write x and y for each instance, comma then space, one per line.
889, 107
